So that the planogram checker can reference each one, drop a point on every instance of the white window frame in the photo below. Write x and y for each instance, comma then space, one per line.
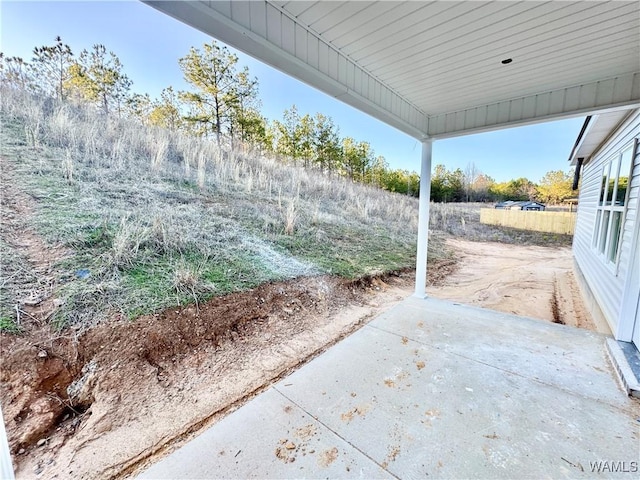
607, 238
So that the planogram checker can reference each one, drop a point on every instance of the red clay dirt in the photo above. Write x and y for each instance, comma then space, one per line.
98, 403
101, 404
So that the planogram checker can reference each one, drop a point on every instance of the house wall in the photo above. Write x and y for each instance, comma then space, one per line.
606, 282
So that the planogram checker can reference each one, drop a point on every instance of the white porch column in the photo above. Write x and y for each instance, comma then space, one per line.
423, 219
6, 467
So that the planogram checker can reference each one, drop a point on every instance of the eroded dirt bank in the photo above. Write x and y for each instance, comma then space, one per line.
531, 281
101, 404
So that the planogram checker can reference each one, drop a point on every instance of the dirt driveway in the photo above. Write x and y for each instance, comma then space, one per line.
531, 281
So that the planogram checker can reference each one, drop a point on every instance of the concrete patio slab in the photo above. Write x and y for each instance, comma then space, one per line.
554, 354
271, 427
432, 388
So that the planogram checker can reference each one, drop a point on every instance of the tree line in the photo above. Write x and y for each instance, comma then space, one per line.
223, 103
471, 185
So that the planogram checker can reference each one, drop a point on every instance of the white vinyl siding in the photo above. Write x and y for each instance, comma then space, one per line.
606, 278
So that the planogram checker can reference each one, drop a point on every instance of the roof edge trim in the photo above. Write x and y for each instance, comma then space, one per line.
579, 139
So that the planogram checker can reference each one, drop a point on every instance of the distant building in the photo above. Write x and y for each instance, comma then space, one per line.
524, 205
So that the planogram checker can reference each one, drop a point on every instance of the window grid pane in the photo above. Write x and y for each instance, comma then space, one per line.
603, 230
603, 185
616, 227
596, 232
623, 177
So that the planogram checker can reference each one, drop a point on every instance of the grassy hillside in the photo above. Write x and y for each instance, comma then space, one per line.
138, 219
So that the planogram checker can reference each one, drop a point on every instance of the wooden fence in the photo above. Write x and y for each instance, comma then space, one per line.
552, 222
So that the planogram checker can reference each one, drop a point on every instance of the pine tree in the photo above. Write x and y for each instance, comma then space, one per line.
305, 130
139, 106
245, 121
555, 187
165, 112
253, 129
51, 67
357, 159
326, 143
97, 77
212, 72
378, 171
288, 134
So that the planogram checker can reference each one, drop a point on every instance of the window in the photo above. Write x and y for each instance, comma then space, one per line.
611, 205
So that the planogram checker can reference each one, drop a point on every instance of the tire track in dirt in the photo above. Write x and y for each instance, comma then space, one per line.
530, 281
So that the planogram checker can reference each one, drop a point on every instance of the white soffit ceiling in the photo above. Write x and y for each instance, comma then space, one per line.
435, 68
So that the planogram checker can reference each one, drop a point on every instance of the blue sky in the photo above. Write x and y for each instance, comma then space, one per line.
150, 43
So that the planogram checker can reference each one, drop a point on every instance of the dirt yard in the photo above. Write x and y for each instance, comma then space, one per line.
107, 402
103, 403
530, 281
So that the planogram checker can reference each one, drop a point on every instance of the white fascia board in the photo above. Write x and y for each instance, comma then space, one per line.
573, 160
620, 92
261, 30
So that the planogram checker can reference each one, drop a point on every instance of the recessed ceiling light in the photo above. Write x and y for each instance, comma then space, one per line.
506, 61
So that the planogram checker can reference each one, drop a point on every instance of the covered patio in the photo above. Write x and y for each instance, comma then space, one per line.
432, 389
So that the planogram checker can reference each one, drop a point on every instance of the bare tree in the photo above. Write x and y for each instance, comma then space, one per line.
471, 173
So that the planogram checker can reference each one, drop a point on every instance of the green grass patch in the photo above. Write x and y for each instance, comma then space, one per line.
349, 252
152, 284
149, 288
8, 325
239, 271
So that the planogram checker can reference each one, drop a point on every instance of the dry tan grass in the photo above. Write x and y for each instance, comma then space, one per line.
159, 218
145, 209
